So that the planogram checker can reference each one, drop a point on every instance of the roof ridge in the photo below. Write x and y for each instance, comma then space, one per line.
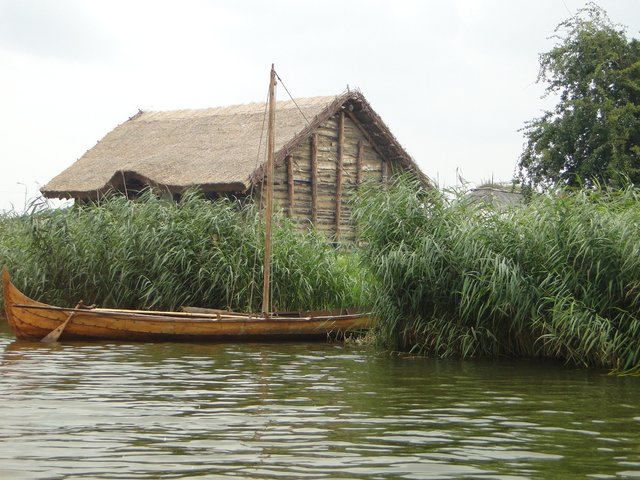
251, 107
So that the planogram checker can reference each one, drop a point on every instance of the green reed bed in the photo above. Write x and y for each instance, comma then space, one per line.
559, 277
152, 253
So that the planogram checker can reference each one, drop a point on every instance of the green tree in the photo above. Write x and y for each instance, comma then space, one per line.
593, 133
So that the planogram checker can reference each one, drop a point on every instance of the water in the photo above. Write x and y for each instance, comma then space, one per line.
316, 411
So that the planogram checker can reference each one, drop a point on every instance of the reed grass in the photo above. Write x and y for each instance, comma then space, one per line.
558, 277
157, 254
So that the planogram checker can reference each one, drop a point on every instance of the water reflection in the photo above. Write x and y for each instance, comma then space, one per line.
117, 410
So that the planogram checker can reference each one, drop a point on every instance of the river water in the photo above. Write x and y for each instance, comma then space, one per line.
217, 411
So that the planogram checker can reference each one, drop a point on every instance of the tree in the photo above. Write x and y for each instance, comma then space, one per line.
593, 134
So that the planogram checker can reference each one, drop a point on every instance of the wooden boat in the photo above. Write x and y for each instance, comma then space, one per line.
33, 320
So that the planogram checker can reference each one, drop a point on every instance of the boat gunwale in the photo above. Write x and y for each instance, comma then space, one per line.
197, 318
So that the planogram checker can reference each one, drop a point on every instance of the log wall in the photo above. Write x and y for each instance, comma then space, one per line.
315, 183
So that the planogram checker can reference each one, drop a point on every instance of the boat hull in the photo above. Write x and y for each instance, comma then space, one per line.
32, 320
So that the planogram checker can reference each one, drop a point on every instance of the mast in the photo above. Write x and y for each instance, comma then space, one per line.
266, 286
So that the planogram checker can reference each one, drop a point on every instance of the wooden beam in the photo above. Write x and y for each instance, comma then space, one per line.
339, 166
366, 134
266, 283
359, 176
314, 178
359, 160
290, 185
385, 171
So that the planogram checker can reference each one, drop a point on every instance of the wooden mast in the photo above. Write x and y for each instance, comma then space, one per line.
266, 290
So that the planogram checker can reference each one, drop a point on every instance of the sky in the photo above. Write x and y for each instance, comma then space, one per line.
455, 81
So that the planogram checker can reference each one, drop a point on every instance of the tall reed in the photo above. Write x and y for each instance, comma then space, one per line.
559, 277
153, 253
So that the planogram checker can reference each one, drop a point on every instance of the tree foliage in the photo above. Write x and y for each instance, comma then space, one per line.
593, 133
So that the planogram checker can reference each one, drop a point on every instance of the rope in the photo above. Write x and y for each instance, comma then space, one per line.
251, 191
292, 99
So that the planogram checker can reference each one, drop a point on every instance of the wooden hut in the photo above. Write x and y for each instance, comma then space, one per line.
325, 147
499, 196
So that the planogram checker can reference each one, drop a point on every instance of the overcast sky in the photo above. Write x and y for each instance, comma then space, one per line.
453, 80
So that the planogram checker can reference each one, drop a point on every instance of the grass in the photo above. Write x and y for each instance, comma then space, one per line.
156, 254
558, 278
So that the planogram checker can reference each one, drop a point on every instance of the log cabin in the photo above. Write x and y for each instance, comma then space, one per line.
325, 147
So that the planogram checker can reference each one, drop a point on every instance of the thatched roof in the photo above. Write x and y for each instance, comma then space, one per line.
498, 197
215, 148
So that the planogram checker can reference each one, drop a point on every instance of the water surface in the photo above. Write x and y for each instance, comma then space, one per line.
216, 411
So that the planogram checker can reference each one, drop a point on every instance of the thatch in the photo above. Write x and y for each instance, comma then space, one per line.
497, 197
215, 149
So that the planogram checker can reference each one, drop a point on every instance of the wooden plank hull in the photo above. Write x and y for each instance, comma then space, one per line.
33, 320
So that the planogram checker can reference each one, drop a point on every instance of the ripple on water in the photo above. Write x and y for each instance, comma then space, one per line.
110, 410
